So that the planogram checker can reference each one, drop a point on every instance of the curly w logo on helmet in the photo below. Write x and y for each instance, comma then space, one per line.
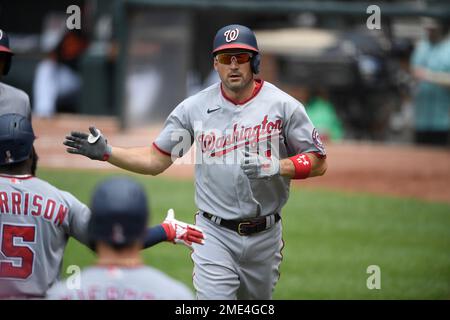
231, 35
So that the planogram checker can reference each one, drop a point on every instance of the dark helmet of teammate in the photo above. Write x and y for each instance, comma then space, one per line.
5, 51
16, 138
119, 212
236, 36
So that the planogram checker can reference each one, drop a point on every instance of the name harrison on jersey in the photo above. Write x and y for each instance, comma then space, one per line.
28, 204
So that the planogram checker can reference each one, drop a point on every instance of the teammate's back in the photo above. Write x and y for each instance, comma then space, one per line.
13, 100
116, 231
122, 283
36, 220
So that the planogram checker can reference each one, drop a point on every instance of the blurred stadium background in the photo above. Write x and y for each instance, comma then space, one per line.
384, 200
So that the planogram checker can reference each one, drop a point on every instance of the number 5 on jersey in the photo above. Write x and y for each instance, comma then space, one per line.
21, 256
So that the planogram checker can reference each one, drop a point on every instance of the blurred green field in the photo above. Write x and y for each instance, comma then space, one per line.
330, 240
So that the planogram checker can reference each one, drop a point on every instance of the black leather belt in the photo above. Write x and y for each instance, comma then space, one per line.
246, 227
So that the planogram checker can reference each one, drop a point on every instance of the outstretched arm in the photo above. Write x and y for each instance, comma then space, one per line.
144, 160
174, 231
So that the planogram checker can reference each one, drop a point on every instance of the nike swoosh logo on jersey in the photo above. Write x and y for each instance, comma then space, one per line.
212, 110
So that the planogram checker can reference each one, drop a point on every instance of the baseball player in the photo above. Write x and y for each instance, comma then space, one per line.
117, 229
36, 218
12, 100
251, 140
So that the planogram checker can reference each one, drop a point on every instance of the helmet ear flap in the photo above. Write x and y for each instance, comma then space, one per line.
254, 63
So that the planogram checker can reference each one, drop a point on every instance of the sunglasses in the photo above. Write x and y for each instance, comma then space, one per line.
241, 57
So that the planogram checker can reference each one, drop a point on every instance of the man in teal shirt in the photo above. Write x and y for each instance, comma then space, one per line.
431, 67
322, 113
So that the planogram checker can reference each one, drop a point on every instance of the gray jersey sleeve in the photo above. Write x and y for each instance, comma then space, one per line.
78, 220
13, 100
300, 133
177, 135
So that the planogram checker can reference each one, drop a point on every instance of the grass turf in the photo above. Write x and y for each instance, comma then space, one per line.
330, 240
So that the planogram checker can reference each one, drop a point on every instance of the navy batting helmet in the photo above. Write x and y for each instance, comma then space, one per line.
16, 138
236, 36
6, 51
119, 212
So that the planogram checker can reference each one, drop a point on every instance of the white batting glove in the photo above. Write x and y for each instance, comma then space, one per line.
181, 232
256, 166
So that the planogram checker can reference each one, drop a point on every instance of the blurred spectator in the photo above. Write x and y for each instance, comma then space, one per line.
212, 78
431, 68
57, 82
402, 115
322, 113
194, 83
12, 100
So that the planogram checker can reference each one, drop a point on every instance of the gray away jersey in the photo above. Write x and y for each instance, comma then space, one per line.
118, 283
36, 220
272, 123
13, 100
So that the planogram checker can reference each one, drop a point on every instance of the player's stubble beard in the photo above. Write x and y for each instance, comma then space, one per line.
239, 85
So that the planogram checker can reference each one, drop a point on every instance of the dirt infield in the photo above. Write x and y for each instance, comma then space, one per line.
422, 173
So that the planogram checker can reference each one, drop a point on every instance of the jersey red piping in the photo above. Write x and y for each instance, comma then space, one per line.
161, 150
318, 155
259, 83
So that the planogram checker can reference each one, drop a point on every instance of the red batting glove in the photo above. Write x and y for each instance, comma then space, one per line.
181, 232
